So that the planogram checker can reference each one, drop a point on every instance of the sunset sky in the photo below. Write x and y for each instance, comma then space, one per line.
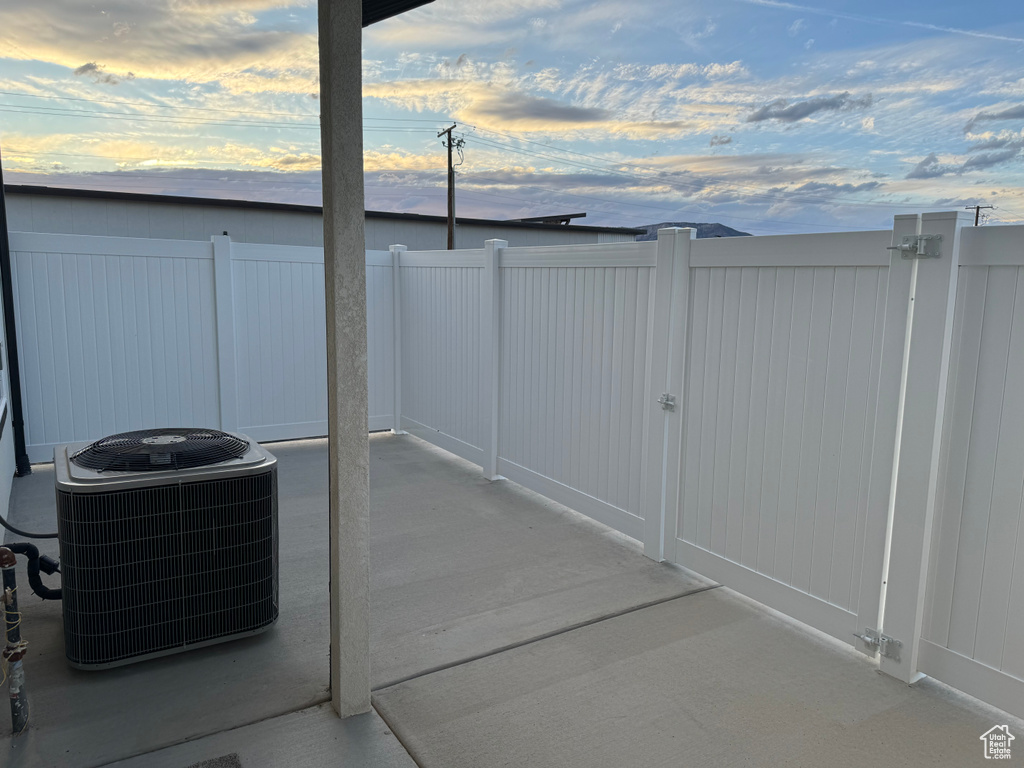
764, 115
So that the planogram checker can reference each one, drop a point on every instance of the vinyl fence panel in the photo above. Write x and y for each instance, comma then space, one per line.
442, 349
119, 334
115, 334
574, 348
973, 635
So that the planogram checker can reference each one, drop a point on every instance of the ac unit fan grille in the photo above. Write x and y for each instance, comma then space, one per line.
156, 569
147, 450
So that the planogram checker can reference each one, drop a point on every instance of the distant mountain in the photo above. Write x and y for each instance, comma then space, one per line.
703, 230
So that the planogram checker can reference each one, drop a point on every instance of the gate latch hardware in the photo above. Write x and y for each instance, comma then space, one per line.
918, 247
889, 647
668, 402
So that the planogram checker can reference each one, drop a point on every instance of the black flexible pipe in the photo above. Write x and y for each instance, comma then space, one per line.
21, 463
12, 529
31, 551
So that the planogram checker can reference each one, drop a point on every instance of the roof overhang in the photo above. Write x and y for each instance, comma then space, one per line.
378, 10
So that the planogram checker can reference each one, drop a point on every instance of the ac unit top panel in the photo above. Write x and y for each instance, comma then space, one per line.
76, 479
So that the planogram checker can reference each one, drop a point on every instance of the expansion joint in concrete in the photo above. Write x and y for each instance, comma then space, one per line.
544, 636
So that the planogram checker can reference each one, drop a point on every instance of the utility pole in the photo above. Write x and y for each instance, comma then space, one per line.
457, 144
977, 211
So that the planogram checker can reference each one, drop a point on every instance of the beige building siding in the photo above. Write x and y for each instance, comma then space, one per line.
53, 213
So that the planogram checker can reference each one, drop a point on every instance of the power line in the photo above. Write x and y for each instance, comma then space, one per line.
695, 186
645, 178
156, 105
470, 179
137, 180
131, 117
752, 190
686, 210
128, 116
698, 187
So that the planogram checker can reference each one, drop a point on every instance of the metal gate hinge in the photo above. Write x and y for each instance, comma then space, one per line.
668, 402
889, 647
919, 247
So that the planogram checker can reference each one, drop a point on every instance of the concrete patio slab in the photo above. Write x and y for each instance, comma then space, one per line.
460, 567
712, 679
312, 738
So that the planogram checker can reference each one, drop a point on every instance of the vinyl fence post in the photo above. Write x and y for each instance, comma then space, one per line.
924, 369
490, 380
666, 355
396, 294
225, 318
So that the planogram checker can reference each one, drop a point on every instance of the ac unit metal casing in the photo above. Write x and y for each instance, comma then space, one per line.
157, 562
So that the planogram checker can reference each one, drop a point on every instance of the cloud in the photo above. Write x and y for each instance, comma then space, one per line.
488, 103
782, 110
707, 31
500, 106
714, 71
718, 140
97, 151
96, 73
194, 40
832, 189
652, 72
999, 142
1010, 113
988, 159
797, 27
930, 168
375, 160
523, 108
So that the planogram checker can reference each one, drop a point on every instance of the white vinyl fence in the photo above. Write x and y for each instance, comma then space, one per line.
779, 388
826, 423
117, 334
973, 634
562, 334
829, 423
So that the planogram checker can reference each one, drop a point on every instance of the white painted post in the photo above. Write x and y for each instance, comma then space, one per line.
396, 298
490, 378
667, 341
340, 45
928, 333
225, 319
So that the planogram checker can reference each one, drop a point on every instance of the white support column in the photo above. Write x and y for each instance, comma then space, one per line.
490, 379
666, 354
396, 298
225, 318
927, 338
340, 42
